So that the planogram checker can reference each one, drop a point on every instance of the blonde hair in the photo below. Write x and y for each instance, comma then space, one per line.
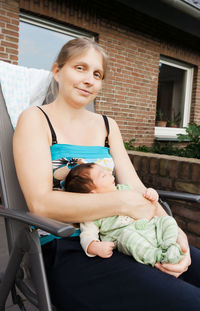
71, 49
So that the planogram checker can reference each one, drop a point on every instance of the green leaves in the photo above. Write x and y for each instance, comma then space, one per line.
191, 150
193, 134
193, 137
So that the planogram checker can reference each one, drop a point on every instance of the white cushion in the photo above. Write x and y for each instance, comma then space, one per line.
22, 87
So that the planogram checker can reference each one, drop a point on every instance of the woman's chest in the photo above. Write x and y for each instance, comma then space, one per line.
85, 134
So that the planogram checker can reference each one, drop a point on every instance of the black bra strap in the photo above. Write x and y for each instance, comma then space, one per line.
53, 134
107, 129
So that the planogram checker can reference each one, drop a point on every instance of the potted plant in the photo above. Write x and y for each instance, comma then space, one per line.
160, 119
175, 121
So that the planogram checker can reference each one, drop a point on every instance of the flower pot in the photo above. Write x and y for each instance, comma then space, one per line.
161, 123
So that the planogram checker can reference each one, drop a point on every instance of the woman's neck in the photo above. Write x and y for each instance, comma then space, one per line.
67, 111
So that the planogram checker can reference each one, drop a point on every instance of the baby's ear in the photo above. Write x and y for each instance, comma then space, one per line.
93, 191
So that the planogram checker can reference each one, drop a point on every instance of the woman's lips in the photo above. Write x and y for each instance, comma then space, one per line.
84, 92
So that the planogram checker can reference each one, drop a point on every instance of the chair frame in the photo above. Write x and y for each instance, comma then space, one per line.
21, 237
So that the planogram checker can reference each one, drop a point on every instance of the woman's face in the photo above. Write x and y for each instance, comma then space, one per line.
80, 79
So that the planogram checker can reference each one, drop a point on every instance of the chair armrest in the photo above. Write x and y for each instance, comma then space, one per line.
179, 196
52, 226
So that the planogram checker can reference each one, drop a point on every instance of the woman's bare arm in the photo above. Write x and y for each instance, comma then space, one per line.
125, 172
31, 145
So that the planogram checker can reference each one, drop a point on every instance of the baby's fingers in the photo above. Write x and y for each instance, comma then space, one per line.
110, 245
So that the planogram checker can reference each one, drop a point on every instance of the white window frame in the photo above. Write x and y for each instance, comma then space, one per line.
168, 133
52, 26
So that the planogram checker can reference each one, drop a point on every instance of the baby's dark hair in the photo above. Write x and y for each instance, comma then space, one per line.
79, 180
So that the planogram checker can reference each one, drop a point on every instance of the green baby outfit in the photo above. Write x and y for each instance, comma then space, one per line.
147, 241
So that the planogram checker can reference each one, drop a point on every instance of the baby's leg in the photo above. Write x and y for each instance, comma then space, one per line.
140, 243
167, 233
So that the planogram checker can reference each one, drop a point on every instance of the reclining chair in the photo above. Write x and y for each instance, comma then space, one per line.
22, 237
25, 271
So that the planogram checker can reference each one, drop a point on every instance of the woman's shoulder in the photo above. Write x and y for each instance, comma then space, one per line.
31, 113
99, 117
30, 120
32, 124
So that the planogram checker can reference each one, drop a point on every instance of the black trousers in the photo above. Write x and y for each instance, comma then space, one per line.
118, 283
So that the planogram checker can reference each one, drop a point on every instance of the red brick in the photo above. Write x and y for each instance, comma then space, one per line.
173, 168
5, 19
163, 167
194, 227
13, 57
13, 15
187, 213
9, 44
193, 240
12, 27
12, 39
3, 55
163, 183
185, 170
196, 172
9, 32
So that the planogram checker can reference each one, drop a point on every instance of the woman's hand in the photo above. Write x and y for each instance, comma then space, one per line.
134, 205
177, 269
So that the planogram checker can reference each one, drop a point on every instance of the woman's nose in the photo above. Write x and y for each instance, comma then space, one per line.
89, 78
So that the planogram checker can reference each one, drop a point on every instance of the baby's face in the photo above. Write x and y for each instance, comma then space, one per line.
103, 179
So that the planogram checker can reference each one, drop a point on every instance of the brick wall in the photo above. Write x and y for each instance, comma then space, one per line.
173, 174
9, 30
130, 91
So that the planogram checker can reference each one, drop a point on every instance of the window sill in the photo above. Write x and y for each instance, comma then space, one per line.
168, 133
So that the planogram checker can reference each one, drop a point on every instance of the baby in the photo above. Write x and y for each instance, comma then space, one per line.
148, 241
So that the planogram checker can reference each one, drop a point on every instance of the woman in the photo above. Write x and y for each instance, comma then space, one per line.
65, 131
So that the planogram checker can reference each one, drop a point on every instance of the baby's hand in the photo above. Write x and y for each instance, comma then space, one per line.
151, 195
102, 249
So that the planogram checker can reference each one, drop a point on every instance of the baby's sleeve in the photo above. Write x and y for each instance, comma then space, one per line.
89, 233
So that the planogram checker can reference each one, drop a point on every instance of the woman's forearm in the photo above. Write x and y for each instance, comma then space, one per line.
159, 211
74, 207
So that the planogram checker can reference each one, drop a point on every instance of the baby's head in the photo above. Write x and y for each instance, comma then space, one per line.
89, 178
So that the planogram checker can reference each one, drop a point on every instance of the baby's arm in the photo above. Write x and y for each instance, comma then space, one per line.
91, 244
102, 249
151, 195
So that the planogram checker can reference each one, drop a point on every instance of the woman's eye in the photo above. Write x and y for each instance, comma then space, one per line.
97, 75
80, 68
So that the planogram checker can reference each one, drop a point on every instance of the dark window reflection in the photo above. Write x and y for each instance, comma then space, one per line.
171, 95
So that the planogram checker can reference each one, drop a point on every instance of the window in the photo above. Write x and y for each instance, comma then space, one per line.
173, 99
40, 41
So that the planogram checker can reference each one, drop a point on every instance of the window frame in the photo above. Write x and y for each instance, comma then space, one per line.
55, 26
168, 133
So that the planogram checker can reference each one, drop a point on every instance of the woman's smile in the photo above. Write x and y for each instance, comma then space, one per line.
84, 92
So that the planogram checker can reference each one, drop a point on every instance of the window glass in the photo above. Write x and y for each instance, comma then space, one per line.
174, 93
171, 95
38, 46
